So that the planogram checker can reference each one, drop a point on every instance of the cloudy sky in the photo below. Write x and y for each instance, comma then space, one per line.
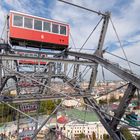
124, 13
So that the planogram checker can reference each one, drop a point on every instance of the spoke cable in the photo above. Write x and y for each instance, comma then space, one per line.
120, 43
122, 58
90, 34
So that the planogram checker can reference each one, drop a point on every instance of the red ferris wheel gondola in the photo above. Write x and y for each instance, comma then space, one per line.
33, 31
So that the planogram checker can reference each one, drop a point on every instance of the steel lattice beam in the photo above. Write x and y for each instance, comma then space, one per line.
38, 97
99, 50
116, 69
48, 59
48, 118
128, 95
103, 119
111, 66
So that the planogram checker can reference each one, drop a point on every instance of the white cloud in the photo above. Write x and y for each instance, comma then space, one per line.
82, 22
132, 54
14, 4
27, 6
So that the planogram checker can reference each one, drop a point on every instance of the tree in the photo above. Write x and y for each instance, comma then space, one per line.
112, 99
43, 105
126, 133
58, 101
105, 136
50, 106
82, 135
101, 101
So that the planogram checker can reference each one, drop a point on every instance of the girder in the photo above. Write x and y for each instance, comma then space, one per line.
42, 75
99, 50
48, 118
115, 68
48, 59
76, 69
38, 97
123, 73
128, 95
50, 71
103, 119
71, 82
38, 52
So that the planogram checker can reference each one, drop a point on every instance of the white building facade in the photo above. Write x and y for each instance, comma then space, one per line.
74, 128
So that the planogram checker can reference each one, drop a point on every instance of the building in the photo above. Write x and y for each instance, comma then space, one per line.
74, 128
70, 103
82, 122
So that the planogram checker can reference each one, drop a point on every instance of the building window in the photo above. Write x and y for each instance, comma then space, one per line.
18, 21
37, 24
43, 55
47, 26
101, 136
28, 23
63, 30
55, 28
35, 54
31, 54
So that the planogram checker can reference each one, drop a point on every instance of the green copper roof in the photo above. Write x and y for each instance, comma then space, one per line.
82, 115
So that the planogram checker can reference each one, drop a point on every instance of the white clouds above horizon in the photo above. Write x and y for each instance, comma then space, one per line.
125, 16
126, 23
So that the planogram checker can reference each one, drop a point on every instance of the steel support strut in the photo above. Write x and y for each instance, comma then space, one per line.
103, 119
112, 67
128, 95
99, 49
49, 78
76, 69
37, 116
48, 59
44, 123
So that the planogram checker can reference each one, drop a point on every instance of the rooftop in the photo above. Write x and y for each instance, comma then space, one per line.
82, 115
